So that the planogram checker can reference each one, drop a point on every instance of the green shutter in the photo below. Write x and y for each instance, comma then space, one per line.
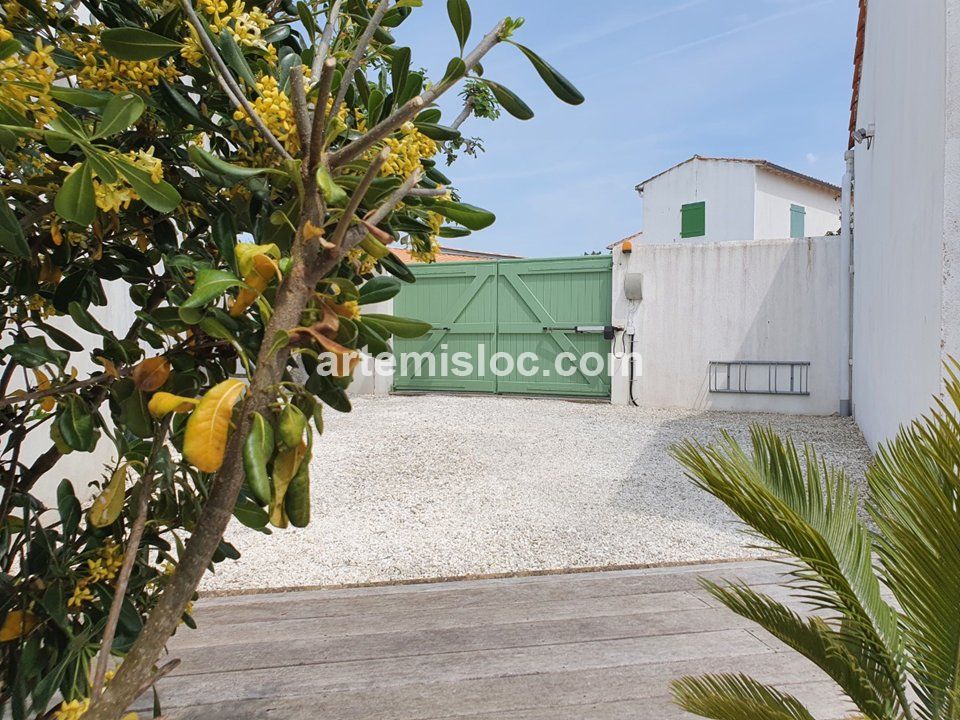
798, 221
693, 220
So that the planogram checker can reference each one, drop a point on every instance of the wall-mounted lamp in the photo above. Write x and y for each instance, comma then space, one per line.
860, 135
626, 247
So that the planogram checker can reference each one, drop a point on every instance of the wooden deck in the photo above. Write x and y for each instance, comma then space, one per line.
599, 646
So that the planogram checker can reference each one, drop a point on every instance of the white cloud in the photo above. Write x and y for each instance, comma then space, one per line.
812, 158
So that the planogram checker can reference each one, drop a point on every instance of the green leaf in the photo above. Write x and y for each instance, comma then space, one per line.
396, 267
210, 284
460, 18
69, 125
81, 98
379, 289
60, 337
85, 321
11, 234
9, 47
161, 196
35, 352
400, 69
120, 113
233, 56
561, 87
68, 506
456, 69
129, 43
510, 101
76, 424
371, 339
440, 133
402, 327
469, 216
184, 106
75, 201
220, 171
276, 33
251, 514
101, 165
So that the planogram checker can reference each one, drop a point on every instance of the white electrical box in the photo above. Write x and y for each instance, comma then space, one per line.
633, 286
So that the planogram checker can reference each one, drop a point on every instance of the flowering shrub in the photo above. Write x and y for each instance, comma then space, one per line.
242, 169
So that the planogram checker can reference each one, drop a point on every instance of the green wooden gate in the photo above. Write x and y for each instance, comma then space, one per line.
509, 307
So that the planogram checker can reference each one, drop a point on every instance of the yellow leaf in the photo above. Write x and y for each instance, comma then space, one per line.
151, 374
43, 384
205, 441
16, 624
264, 270
164, 403
246, 252
108, 366
108, 504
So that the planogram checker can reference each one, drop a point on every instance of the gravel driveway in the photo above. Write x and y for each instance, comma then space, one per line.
439, 486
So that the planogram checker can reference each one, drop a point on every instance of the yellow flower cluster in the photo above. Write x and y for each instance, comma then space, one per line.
364, 263
103, 568
76, 709
103, 72
116, 196
426, 254
276, 110
407, 151
37, 68
246, 26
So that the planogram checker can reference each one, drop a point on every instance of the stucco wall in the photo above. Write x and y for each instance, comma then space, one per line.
726, 187
951, 212
899, 216
776, 194
775, 300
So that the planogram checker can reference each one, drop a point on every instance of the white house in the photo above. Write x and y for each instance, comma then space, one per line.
726, 199
905, 168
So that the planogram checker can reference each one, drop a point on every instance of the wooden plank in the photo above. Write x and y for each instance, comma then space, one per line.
300, 650
637, 685
393, 617
327, 603
450, 667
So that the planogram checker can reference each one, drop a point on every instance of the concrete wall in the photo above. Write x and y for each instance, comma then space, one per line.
759, 300
726, 187
775, 196
900, 331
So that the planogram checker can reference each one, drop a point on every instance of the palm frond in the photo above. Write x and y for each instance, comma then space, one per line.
813, 639
915, 486
736, 697
808, 512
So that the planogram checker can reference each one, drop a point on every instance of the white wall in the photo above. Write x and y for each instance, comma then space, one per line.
366, 381
951, 213
726, 187
759, 300
775, 196
899, 216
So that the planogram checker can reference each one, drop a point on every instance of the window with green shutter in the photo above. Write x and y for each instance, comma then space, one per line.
693, 220
798, 221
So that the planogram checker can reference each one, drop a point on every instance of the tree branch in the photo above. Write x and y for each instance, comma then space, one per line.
224, 72
464, 115
129, 558
489, 41
357, 198
394, 199
326, 38
428, 192
301, 114
376, 134
320, 113
358, 54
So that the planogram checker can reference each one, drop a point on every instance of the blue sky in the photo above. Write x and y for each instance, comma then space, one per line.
664, 80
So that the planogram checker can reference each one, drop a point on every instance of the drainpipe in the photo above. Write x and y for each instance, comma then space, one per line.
846, 286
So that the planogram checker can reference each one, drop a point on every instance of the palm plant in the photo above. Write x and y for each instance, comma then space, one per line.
894, 660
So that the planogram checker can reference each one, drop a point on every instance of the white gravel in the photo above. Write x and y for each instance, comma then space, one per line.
439, 486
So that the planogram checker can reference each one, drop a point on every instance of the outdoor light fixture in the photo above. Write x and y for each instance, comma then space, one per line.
860, 135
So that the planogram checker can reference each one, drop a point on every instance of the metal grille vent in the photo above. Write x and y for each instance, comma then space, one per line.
760, 377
